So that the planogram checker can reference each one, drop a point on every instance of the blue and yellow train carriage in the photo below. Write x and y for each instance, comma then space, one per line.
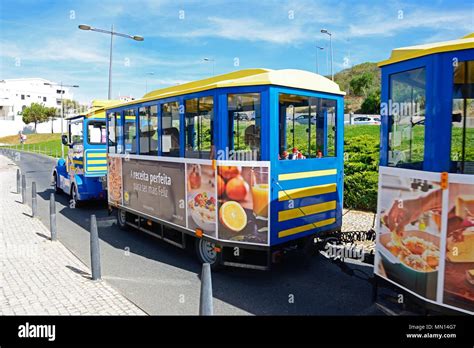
246, 163
82, 173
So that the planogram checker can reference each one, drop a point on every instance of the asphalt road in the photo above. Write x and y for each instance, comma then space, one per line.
163, 279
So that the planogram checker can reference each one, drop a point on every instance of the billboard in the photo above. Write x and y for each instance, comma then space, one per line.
425, 235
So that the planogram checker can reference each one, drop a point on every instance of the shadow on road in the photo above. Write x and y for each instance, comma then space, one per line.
290, 288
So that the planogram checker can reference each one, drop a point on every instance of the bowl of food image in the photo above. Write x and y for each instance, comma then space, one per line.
202, 207
412, 260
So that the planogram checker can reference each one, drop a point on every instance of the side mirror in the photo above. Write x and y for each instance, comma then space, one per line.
64, 139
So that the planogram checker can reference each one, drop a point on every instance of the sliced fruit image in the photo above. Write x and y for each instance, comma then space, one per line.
232, 216
237, 188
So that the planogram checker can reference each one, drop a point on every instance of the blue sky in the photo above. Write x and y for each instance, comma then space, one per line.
41, 38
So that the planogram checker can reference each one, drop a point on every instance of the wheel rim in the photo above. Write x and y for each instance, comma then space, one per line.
55, 181
74, 195
207, 252
122, 217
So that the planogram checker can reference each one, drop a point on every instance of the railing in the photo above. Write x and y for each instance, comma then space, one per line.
51, 151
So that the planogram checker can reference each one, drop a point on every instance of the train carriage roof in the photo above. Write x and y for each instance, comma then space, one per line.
97, 109
248, 77
405, 53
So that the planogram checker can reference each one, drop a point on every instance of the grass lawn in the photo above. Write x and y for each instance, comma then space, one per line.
47, 144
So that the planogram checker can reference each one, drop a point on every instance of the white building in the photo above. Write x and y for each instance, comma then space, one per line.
16, 94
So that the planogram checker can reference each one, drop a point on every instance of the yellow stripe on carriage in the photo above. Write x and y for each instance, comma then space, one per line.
77, 162
304, 175
308, 191
130, 117
304, 228
97, 155
102, 161
97, 169
306, 210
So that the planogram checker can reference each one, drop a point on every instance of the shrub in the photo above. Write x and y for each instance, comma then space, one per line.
361, 161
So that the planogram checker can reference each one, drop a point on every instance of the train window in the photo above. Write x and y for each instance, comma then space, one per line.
462, 133
76, 132
199, 127
324, 122
407, 119
245, 120
112, 134
96, 132
148, 130
129, 132
307, 127
170, 124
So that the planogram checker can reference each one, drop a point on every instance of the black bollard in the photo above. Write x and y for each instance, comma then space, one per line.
95, 250
205, 301
18, 181
52, 217
23, 189
34, 203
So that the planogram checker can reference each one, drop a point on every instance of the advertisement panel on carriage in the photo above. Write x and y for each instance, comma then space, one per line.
425, 235
225, 200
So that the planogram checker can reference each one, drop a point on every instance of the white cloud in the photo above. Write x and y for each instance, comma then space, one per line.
391, 25
243, 29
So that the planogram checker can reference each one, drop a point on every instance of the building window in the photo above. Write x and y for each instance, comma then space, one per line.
199, 127
149, 130
44, 99
170, 125
22, 97
129, 132
307, 127
462, 131
245, 126
407, 119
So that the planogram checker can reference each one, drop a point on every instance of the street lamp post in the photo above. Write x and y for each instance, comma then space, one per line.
325, 31
62, 107
317, 60
112, 33
213, 63
146, 81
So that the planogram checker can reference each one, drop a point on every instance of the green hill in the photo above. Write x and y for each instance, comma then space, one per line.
353, 101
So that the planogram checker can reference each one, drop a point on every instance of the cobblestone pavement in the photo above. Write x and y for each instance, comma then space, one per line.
40, 277
353, 221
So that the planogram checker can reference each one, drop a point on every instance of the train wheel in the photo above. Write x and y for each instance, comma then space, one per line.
56, 184
75, 197
207, 254
122, 219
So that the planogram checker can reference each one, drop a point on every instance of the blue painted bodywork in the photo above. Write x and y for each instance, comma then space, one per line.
269, 152
78, 171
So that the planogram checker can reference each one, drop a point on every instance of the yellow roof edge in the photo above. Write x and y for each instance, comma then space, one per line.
220, 81
405, 53
210, 81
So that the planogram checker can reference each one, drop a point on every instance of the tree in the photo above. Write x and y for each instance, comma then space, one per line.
51, 114
361, 84
36, 113
371, 104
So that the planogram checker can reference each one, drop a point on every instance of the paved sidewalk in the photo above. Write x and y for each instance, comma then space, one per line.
40, 277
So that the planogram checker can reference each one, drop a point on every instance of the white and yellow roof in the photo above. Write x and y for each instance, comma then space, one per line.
248, 77
405, 53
